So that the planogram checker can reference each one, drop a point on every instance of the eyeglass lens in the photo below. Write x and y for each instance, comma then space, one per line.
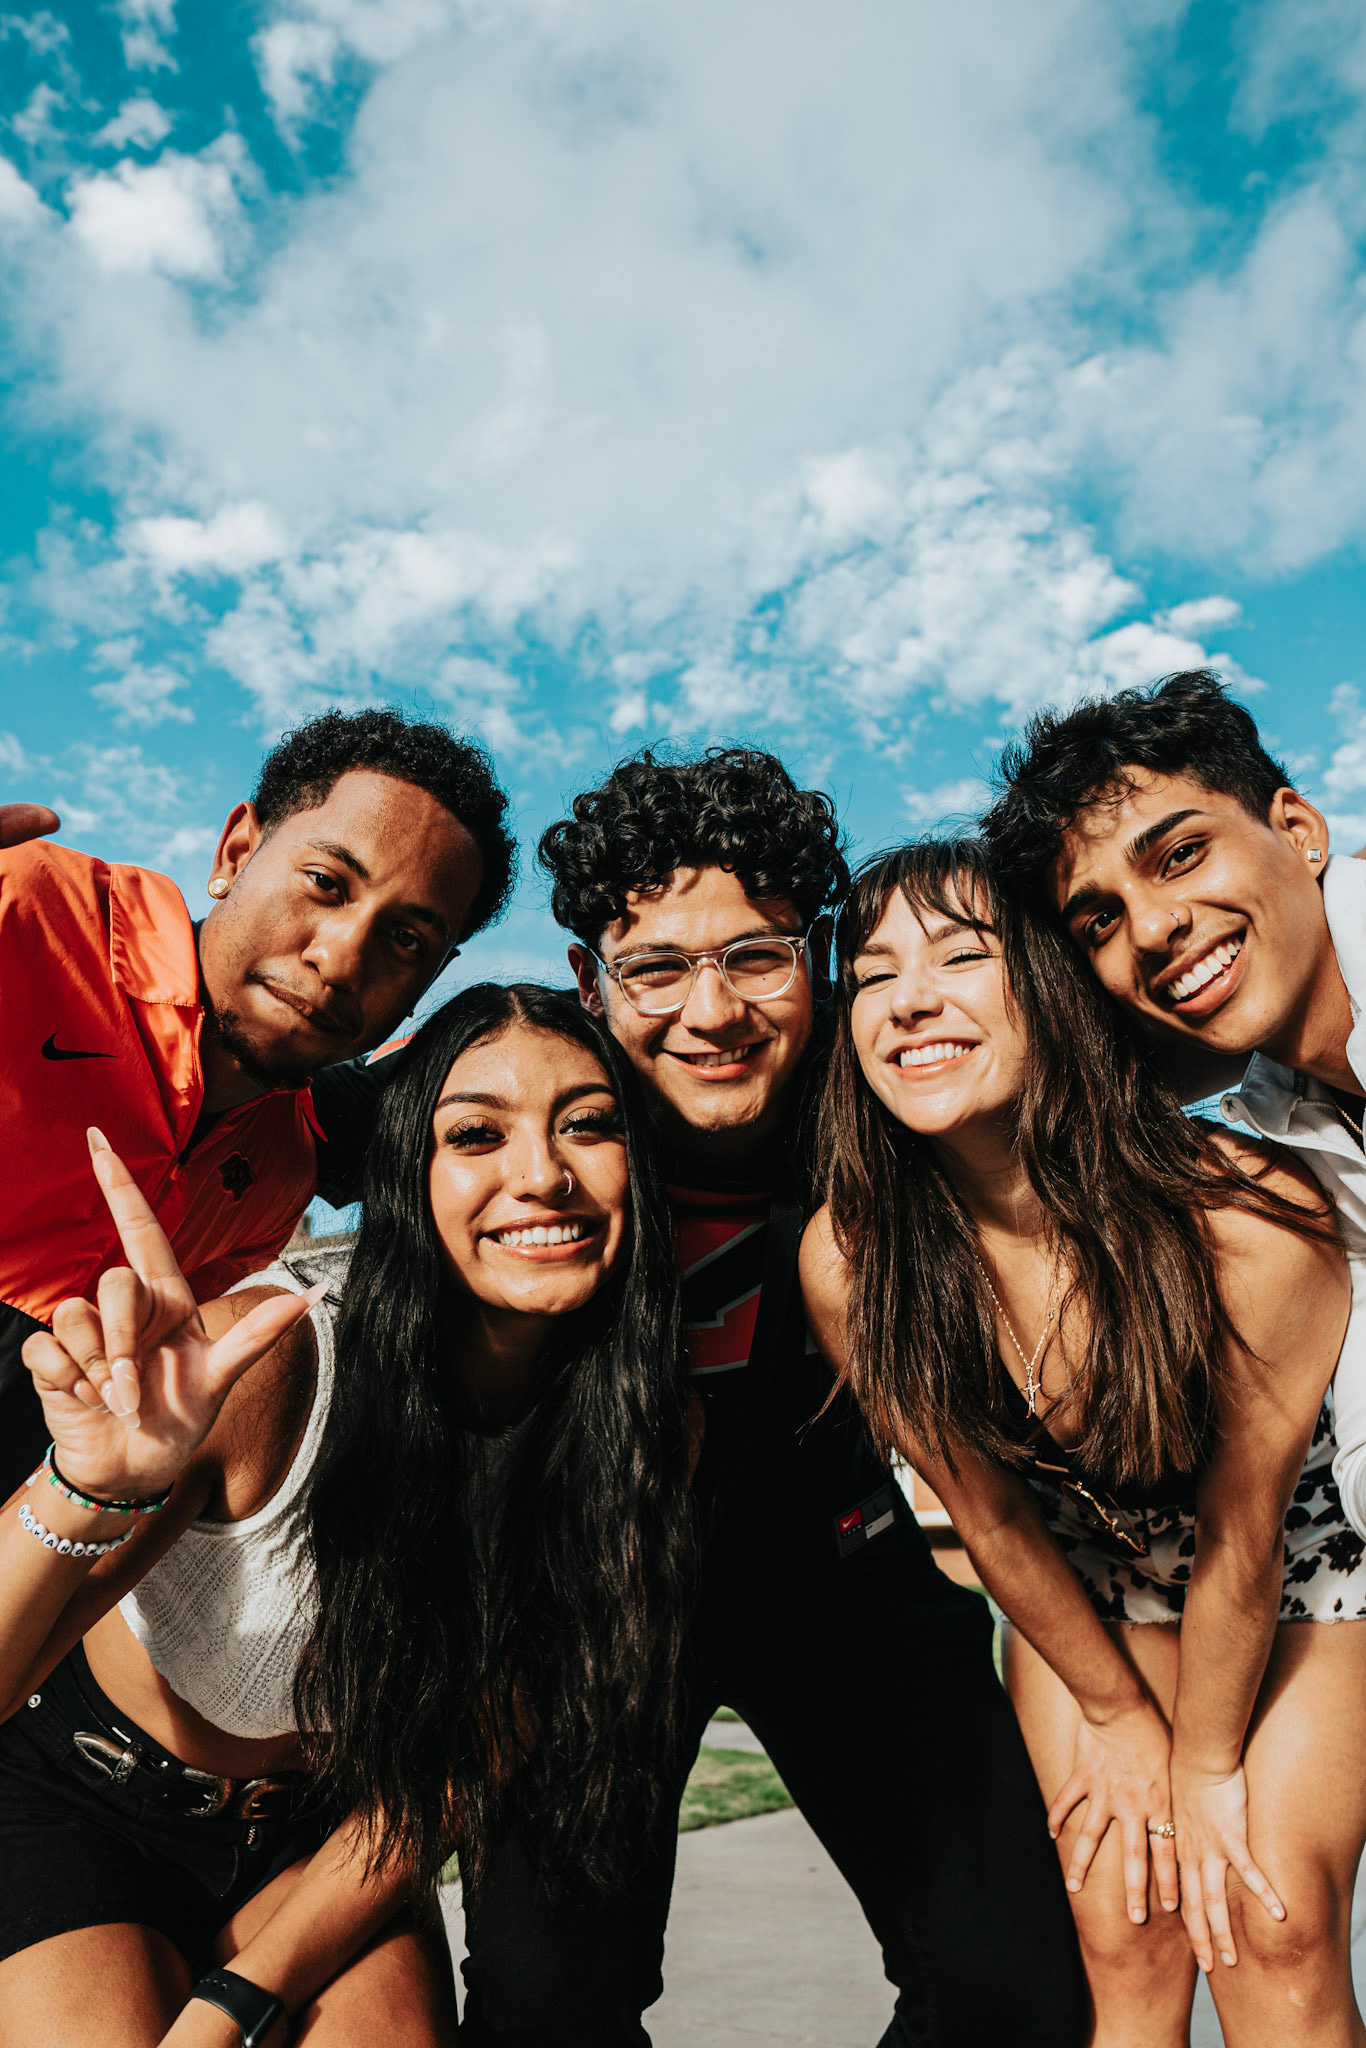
755, 972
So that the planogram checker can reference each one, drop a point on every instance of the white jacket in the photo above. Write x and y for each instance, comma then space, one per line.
1289, 1108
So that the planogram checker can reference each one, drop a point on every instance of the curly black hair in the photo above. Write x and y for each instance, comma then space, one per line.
731, 807
306, 766
1183, 724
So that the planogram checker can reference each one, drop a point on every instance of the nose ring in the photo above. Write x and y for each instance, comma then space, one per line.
568, 1182
1176, 919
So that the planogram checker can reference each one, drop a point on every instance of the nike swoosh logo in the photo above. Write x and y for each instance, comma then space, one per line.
53, 1051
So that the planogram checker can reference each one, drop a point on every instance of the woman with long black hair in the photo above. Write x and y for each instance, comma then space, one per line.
276, 1641
1106, 1337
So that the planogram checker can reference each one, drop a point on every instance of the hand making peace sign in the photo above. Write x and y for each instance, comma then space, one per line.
132, 1385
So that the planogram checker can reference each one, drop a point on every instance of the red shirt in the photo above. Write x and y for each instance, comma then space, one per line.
100, 1021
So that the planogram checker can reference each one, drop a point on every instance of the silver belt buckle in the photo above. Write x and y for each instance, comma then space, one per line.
216, 1794
112, 1762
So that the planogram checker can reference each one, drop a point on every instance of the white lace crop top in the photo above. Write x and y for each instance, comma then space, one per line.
225, 1614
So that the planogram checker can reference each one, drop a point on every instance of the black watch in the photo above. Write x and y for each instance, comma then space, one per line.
254, 2010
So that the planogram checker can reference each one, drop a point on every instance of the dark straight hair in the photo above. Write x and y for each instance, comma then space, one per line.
1184, 724
476, 1661
1125, 1178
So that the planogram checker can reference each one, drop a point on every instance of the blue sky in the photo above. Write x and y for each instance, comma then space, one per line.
850, 375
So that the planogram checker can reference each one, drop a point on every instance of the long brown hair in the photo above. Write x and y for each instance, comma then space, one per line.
1125, 1178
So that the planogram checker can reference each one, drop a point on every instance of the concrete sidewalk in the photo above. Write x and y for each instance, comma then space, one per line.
766, 1944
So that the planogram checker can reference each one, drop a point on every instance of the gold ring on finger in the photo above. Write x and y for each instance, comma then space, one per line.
1165, 1828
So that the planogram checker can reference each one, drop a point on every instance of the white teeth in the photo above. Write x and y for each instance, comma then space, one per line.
717, 1059
927, 1055
1205, 970
540, 1233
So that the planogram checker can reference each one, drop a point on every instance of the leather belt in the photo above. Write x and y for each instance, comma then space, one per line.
200, 1795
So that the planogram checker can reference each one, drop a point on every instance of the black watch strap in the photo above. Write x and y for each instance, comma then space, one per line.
254, 2010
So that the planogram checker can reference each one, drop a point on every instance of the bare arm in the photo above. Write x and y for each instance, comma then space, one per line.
131, 1389
1122, 1751
324, 1920
1288, 1298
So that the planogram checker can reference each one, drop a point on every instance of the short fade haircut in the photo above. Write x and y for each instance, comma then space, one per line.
303, 770
1185, 724
731, 807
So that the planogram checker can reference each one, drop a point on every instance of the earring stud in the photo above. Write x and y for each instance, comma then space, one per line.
1314, 853
219, 886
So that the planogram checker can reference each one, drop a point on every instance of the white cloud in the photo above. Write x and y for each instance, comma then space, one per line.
236, 539
294, 58
298, 54
115, 793
13, 760
580, 282
1345, 775
377, 605
145, 695
146, 26
775, 395
35, 123
141, 121
20, 205
1198, 614
168, 216
480, 697
955, 802
42, 31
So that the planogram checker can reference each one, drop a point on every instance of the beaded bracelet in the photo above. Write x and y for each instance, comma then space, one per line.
64, 1545
151, 1506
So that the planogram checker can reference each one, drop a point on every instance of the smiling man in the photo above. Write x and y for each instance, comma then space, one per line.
371, 847
1189, 870
697, 893
1198, 883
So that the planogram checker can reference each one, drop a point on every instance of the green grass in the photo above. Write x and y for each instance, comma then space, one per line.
730, 1784
726, 1714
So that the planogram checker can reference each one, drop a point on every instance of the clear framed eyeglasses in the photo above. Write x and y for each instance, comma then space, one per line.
755, 970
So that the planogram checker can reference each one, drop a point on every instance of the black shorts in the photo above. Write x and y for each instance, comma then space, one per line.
80, 1851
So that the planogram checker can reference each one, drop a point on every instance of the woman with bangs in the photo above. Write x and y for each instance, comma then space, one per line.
1105, 1337
308, 1594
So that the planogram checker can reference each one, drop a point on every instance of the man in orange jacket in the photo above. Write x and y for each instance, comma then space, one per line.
370, 848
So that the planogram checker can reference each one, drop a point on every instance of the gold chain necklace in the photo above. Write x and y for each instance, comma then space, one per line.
1033, 1385
1350, 1122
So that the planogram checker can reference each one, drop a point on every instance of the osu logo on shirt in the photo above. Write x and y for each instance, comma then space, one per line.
721, 1301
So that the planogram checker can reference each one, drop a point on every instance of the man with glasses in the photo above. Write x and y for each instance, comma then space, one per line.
697, 893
